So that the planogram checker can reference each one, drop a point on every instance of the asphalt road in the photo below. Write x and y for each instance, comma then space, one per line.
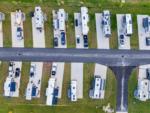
122, 75
120, 61
105, 57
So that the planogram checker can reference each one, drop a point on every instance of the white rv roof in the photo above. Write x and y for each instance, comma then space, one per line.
106, 22
50, 91
97, 87
39, 19
73, 90
18, 17
29, 92
7, 87
128, 23
84, 20
143, 89
61, 19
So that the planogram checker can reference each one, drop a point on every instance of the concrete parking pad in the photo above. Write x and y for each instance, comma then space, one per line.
142, 46
78, 31
38, 42
16, 43
60, 65
120, 31
38, 37
77, 68
142, 34
102, 43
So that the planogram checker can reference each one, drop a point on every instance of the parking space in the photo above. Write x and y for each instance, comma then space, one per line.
77, 68
81, 36
102, 43
35, 75
12, 83
123, 39
142, 34
78, 31
59, 18
142, 91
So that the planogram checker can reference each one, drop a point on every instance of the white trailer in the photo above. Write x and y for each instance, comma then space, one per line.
73, 89
127, 23
106, 25
61, 19
50, 91
39, 18
84, 20
98, 85
19, 17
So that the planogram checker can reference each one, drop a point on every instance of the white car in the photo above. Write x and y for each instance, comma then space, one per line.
11, 67
32, 70
54, 69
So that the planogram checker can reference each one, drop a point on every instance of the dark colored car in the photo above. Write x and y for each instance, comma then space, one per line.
85, 39
56, 90
148, 73
19, 33
76, 22
63, 39
55, 41
122, 40
17, 72
78, 40
148, 41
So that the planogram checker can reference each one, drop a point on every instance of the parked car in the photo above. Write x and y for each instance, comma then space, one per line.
76, 22
19, 33
148, 73
54, 69
78, 40
11, 65
85, 40
147, 41
63, 38
55, 41
121, 40
32, 70
17, 72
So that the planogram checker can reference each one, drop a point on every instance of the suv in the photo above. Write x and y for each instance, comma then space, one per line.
54, 68
78, 39
148, 41
121, 40
55, 41
85, 39
148, 73
63, 40
17, 72
19, 33
76, 22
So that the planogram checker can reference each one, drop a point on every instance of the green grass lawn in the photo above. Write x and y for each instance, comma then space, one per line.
85, 105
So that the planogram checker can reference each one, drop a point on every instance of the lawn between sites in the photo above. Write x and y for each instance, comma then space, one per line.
85, 105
